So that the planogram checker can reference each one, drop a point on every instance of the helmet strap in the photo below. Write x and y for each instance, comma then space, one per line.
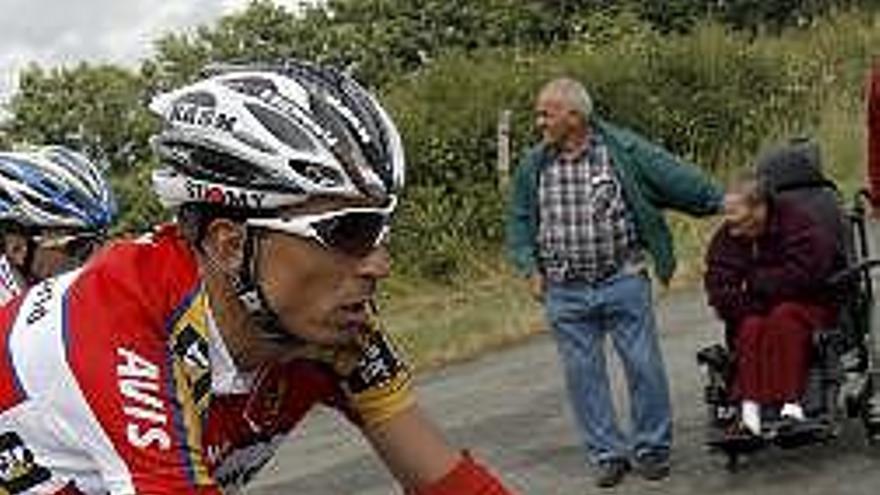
248, 290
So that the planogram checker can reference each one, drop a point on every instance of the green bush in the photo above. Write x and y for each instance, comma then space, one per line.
713, 96
139, 209
441, 234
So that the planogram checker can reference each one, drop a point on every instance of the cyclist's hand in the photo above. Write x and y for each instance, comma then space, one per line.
537, 286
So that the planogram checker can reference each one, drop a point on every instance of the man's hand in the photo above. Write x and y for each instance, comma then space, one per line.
537, 286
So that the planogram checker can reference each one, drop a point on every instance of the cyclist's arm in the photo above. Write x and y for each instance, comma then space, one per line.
411, 446
424, 463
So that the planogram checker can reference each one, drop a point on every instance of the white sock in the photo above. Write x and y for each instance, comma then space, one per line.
792, 410
751, 416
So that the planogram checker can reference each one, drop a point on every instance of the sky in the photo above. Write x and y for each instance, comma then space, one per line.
65, 32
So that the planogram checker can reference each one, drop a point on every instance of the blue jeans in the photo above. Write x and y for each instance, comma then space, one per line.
581, 315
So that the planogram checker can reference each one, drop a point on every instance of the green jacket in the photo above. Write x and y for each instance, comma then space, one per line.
652, 180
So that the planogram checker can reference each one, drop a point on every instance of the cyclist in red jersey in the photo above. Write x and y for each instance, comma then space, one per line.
178, 362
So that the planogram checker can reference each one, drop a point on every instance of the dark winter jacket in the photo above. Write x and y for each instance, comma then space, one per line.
790, 262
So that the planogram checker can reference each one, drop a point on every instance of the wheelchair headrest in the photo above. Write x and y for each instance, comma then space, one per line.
796, 164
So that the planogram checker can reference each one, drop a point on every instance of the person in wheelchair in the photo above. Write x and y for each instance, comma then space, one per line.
766, 272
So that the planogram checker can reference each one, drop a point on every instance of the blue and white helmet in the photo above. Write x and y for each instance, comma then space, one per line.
54, 187
262, 138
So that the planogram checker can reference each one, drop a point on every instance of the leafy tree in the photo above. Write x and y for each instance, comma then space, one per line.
674, 16
376, 39
681, 16
97, 109
262, 32
139, 209
445, 69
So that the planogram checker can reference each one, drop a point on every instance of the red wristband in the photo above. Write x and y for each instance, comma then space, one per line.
466, 478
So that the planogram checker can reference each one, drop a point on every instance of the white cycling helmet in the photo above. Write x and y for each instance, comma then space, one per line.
259, 139
54, 187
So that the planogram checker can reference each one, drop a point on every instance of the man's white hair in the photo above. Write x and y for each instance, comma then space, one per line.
573, 93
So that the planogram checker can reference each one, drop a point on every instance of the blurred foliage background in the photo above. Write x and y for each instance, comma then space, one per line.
713, 80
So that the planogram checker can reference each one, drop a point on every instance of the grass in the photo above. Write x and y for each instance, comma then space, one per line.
437, 323
842, 132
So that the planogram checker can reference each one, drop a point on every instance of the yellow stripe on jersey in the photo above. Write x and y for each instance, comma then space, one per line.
379, 383
377, 405
192, 378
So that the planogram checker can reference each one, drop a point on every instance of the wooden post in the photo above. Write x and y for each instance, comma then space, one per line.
503, 167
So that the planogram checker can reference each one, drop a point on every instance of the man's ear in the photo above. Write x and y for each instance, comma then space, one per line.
224, 243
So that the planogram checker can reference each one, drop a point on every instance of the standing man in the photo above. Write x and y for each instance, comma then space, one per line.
586, 206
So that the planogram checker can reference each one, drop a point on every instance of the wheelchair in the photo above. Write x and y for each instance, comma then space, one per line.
844, 376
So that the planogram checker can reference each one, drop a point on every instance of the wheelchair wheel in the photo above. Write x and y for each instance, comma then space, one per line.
870, 412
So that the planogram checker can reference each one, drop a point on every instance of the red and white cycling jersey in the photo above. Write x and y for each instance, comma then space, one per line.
245, 427
114, 380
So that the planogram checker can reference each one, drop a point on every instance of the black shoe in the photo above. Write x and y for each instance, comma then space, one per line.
653, 466
610, 472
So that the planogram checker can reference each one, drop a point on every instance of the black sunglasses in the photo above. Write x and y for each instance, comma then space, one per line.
354, 231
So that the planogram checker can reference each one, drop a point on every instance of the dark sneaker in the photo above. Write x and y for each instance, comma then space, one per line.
610, 472
653, 466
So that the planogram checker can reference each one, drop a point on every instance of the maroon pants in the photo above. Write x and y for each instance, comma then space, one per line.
773, 352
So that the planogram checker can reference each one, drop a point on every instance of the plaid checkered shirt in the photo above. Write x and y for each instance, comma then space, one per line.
585, 229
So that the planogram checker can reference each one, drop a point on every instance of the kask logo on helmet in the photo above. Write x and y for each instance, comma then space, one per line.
227, 196
203, 116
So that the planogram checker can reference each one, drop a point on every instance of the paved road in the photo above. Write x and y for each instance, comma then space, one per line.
510, 408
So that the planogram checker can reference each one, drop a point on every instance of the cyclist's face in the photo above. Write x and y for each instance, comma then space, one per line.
53, 254
15, 248
50, 261
321, 294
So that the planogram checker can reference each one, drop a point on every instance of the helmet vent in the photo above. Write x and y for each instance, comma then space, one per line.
323, 176
281, 128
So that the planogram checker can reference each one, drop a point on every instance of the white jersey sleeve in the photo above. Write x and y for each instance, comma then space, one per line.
9, 284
